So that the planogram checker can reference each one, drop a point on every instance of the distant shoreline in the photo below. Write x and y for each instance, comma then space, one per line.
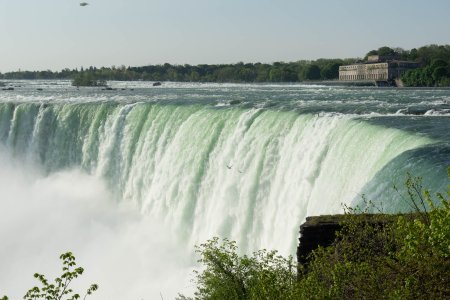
330, 83
432, 69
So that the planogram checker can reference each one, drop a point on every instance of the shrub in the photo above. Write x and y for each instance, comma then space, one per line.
373, 257
264, 275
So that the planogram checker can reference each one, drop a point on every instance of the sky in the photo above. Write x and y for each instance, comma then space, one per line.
57, 34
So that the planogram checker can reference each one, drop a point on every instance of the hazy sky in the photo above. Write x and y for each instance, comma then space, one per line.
54, 34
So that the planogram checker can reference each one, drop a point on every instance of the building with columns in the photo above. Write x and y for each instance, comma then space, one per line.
377, 68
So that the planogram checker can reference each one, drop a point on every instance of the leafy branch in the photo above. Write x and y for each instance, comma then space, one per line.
61, 286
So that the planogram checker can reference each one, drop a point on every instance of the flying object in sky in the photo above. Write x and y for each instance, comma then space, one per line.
84, 3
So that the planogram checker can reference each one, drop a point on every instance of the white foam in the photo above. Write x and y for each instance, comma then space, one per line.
131, 256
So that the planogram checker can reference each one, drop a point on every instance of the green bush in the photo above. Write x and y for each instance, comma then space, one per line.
264, 275
373, 257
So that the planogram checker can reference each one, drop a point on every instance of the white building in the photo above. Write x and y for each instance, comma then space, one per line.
376, 69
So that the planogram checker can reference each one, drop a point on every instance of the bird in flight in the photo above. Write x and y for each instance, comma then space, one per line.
84, 3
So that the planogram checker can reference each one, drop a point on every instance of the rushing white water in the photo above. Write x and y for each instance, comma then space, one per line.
133, 186
251, 175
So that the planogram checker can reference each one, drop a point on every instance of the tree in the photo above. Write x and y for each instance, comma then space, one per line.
311, 72
276, 74
386, 51
439, 73
413, 54
330, 71
264, 275
438, 63
61, 286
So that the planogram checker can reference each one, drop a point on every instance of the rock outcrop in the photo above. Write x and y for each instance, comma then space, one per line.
315, 232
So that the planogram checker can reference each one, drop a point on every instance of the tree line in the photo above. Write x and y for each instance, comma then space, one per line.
434, 59
321, 69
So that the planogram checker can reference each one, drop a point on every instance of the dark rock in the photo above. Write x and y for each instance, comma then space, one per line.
8, 89
315, 232
157, 83
417, 110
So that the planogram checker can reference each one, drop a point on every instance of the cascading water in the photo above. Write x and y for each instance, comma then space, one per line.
250, 175
250, 172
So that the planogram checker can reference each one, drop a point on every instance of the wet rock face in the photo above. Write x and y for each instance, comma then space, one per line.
315, 232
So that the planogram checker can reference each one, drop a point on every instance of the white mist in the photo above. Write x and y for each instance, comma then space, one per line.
129, 255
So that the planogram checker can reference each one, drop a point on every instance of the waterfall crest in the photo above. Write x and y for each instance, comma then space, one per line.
249, 174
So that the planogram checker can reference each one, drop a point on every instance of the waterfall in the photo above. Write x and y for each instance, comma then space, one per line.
250, 174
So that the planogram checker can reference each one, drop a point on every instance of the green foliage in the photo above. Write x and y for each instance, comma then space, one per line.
432, 75
436, 68
430, 232
264, 275
311, 72
61, 286
240, 72
434, 59
87, 79
373, 257
406, 258
386, 51
425, 54
330, 71
440, 73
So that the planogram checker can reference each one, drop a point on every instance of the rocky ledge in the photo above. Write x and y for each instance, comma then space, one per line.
315, 232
